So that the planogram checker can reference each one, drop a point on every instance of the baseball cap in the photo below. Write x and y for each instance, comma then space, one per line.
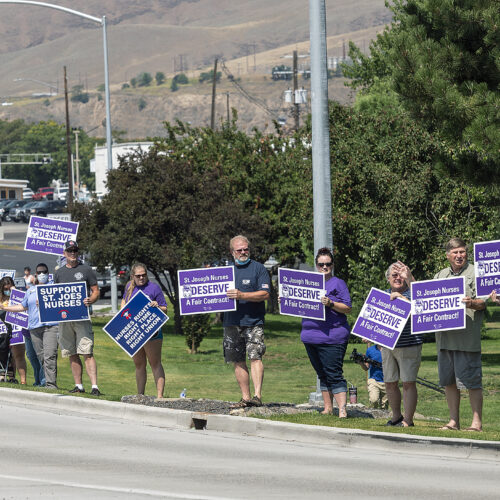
71, 244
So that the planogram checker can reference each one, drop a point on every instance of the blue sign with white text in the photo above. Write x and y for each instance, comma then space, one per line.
135, 323
62, 302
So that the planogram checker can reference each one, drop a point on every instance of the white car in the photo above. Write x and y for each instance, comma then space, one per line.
27, 194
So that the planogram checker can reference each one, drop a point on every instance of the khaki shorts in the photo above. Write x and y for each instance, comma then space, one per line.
242, 341
377, 394
401, 363
76, 337
461, 368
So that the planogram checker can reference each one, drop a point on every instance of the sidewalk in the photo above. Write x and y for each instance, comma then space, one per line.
206, 422
13, 236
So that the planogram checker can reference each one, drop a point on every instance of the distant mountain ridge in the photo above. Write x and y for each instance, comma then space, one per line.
168, 36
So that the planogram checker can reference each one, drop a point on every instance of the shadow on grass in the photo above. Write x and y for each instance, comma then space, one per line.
490, 359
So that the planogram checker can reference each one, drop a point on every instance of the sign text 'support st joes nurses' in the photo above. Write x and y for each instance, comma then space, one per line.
62, 302
49, 235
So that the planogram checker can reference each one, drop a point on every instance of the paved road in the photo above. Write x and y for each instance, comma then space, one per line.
70, 456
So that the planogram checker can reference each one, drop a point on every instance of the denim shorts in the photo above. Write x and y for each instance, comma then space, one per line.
328, 362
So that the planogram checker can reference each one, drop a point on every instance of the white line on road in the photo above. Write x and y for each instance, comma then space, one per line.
134, 491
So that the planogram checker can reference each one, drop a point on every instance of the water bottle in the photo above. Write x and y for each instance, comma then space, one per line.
183, 393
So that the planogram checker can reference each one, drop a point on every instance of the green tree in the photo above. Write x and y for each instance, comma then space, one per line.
442, 59
44, 137
142, 104
388, 202
160, 78
174, 87
175, 215
182, 79
209, 76
133, 82
144, 79
78, 95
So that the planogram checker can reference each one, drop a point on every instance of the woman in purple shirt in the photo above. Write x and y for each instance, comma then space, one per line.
151, 351
326, 341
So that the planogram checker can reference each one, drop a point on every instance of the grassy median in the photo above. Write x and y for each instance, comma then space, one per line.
289, 376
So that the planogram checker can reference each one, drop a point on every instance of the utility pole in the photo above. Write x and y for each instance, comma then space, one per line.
77, 162
296, 111
68, 143
322, 191
227, 107
214, 87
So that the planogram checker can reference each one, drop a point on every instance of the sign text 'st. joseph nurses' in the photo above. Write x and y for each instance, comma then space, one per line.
381, 320
487, 267
204, 290
49, 235
300, 293
437, 305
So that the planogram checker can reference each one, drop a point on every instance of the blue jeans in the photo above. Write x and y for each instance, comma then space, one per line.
38, 370
328, 361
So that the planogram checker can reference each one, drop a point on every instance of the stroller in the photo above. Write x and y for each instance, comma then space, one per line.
6, 366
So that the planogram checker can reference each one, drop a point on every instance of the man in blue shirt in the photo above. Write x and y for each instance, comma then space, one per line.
244, 328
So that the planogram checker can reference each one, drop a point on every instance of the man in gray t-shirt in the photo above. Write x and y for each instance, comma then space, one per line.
76, 338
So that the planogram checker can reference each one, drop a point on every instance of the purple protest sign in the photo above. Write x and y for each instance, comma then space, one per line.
49, 235
300, 293
381, 320
16, 338
17, 318
437, 305
204, 290
487, 267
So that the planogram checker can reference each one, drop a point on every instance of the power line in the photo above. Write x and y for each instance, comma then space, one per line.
253, 100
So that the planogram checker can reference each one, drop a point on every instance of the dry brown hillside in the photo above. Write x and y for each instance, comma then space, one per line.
156, 35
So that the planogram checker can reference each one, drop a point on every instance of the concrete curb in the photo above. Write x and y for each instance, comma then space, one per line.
180, 419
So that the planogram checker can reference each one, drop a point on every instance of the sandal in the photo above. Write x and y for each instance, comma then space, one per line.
242, 403
448, 428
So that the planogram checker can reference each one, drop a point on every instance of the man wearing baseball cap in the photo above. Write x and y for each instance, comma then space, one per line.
76, 338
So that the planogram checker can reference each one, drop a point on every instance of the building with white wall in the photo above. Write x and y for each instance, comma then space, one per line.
98, 165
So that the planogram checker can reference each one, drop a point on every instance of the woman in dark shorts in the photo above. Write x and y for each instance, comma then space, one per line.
151, 351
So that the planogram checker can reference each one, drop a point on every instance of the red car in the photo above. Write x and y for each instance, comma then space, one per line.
45, 193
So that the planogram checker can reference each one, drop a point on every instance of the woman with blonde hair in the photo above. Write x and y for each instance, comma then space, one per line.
151, 351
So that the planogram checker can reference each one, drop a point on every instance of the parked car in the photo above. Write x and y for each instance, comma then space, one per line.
45, 193
27, 194
18, 214
10, 209
104, 280
43, 208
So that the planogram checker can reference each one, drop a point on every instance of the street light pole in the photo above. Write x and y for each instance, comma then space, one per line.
102, 22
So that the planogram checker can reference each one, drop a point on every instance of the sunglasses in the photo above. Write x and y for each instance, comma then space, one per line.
324, 264
140, 275
72, 250
241, 250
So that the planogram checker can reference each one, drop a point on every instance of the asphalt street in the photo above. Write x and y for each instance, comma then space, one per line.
60, 454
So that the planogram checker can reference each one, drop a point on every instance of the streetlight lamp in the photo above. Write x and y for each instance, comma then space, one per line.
102, 22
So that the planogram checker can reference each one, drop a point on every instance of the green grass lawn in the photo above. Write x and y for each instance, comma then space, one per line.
289, 376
